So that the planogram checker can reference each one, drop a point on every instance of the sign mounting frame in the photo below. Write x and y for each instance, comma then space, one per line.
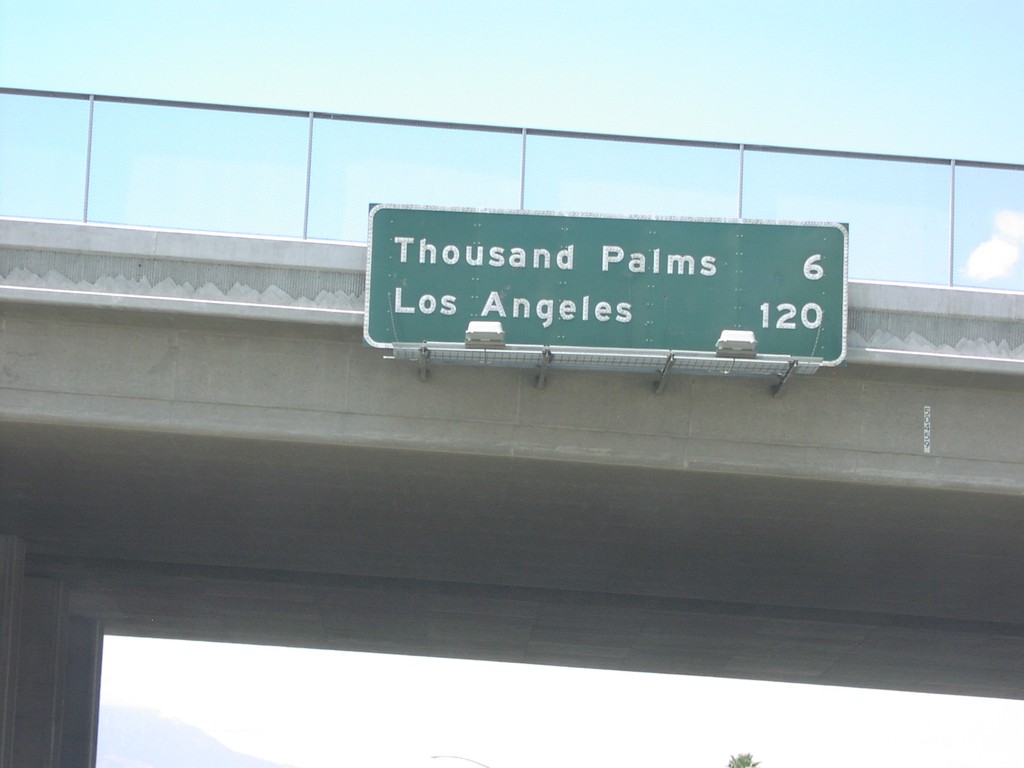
606, 283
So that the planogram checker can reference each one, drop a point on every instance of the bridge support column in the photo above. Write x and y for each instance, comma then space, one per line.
42, 657
49, 671
12, 567
81, 693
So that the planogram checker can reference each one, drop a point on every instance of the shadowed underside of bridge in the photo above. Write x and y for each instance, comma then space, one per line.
557, 562
194, 464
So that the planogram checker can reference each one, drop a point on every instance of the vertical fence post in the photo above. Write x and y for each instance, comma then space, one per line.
88, 160
522, 173
309, 174
739, 195
952, 215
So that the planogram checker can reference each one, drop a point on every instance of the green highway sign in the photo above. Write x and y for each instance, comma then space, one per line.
596, 282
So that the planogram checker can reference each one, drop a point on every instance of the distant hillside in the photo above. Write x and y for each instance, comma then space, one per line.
132, 738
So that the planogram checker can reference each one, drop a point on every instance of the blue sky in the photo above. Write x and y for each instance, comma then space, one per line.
938, 79
929, 78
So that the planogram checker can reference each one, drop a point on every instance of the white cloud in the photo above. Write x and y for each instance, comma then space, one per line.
1010, 224
998, 255
993, 258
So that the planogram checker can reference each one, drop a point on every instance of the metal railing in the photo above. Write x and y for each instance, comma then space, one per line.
276, 172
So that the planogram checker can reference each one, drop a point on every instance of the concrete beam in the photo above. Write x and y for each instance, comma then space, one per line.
49, 236
147, 372
954, 329
288, 280
562, 627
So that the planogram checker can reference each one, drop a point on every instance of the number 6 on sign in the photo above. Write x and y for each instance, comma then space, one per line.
813, 269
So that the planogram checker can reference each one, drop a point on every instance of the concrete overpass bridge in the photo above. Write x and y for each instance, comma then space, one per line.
195, 443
